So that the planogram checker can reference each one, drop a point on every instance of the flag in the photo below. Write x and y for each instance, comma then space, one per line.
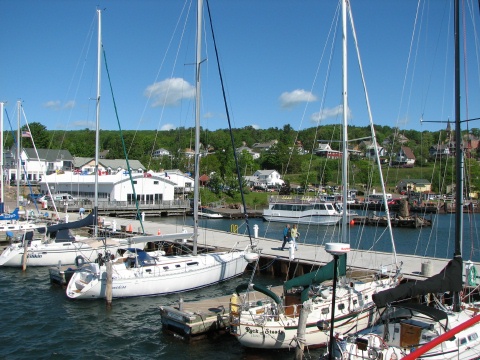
26, 134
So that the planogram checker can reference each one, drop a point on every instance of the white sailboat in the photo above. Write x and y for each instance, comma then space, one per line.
426, 319
56, 245
273, 322
138, 273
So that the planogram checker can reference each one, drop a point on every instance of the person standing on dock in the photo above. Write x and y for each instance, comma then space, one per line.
294, 235
287, 233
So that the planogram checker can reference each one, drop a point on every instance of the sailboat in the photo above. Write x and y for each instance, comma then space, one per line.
55, 245
276, 323
11, 221
442, 327
138, 273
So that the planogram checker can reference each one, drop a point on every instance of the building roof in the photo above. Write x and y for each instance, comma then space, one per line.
48, 154
408, 152
108, 163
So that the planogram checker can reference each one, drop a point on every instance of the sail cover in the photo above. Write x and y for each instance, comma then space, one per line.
449, 279
60, 231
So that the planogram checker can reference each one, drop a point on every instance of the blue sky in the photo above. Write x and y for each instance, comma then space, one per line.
275, 57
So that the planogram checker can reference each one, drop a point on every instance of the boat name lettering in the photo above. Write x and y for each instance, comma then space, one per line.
119, 287
249, 330
37, 256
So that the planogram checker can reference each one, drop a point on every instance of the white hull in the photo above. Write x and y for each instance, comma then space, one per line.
19, 226
305, 219
409, 335
169, 274
301, 210
51, 254
267, 327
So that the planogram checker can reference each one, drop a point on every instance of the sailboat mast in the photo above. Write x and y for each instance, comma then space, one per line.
345, 131
197, 124
97, 125
458, 142
19, 161
458, 154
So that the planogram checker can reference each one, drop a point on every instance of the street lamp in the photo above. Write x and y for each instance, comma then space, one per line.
336, 249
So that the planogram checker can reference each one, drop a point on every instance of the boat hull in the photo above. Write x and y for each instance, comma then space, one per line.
170, 275
266, 327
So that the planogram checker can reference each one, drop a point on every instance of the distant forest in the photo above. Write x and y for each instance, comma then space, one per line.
283, 157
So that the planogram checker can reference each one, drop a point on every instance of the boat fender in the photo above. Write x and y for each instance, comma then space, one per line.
472, 276
79, 261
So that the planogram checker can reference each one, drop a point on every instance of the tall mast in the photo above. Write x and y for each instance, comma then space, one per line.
197, 125
97, 125
345, 131
458, 154
19, 161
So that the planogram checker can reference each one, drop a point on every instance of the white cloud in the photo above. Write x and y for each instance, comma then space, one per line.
169, 92
167, 127
57, 104
52, 104
328, 113
255, 126
69, 104
291, 99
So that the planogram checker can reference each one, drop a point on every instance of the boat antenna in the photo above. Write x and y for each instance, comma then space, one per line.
239, 176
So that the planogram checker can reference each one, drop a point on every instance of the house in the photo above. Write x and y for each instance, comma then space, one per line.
370, 150
86, 165
103, 154
261, 147
255, 155
439, 150
268, 177
36, 163
160, 152
404, 157
299, 148
417, 185
324, 150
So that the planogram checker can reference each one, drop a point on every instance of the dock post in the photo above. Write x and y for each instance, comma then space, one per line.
302, 324
108, 290
25, 252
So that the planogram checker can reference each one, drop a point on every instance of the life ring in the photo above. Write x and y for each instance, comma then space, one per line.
79, 261
472, 276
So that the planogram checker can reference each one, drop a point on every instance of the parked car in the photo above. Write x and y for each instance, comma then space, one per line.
35, 197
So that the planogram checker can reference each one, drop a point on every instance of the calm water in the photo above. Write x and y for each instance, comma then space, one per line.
39, 322
434, 241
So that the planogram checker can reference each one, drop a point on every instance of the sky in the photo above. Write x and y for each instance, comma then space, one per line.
280, 60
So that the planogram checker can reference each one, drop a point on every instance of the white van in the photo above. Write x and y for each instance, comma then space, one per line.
62, 197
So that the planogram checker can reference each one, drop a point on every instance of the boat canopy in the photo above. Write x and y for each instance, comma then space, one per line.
318, 276
449, 279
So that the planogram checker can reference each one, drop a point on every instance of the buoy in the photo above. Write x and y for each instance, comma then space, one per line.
159, 232
352, 222
129, 228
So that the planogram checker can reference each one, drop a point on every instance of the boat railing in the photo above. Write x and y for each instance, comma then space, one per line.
293, 199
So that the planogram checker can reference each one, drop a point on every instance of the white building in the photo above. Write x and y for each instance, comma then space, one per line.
34, 164
269, 177
150, 187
